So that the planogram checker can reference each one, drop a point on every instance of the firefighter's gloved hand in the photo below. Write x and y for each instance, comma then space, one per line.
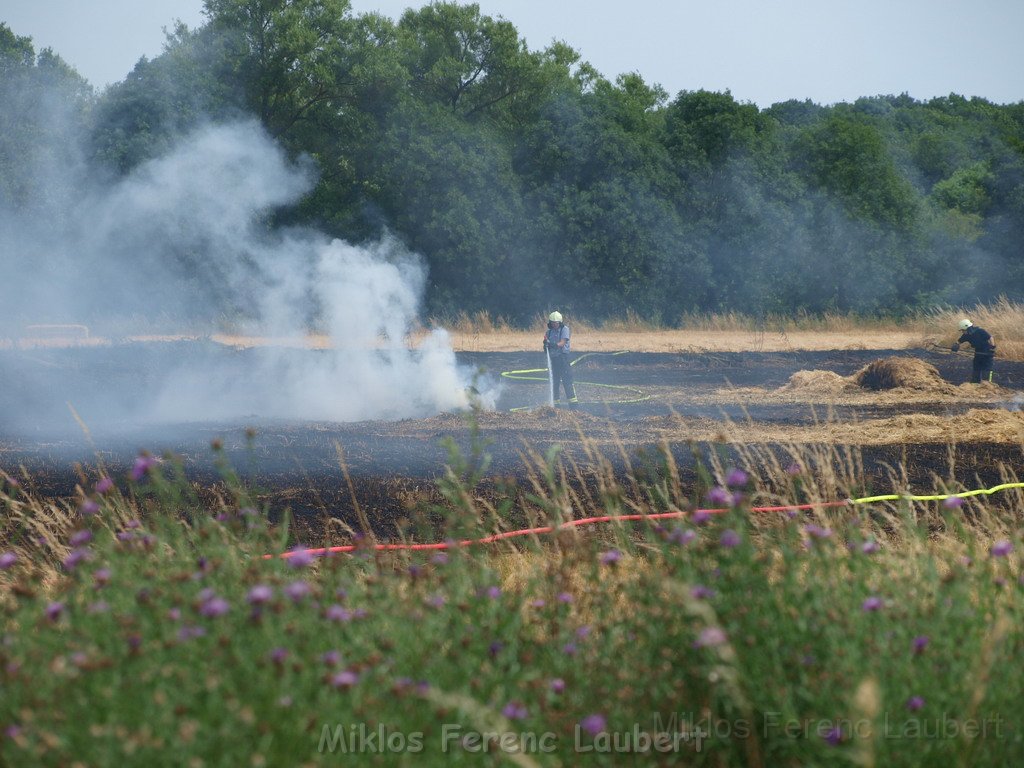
546, 345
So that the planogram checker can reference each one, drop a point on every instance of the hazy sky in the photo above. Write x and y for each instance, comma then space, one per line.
764, 51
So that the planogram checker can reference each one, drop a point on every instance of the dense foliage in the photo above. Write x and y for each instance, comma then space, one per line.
129, 636
528, 180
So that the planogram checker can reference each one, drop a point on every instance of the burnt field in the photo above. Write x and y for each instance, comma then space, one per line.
631, 404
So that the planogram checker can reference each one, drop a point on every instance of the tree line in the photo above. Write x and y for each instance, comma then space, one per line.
527, 180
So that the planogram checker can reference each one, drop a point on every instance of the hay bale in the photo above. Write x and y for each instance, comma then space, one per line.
902, 373
815, 382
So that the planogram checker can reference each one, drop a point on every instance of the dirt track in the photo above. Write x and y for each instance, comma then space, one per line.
631, 403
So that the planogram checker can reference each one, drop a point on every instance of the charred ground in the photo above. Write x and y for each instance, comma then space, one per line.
632, 404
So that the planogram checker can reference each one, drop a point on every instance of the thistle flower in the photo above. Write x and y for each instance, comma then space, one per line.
682, 536
260, 594
700, 592
594, 724
817, 532
870, 547
78, 538
300, 557
710, 637
953, 502
872, 603
215, 606
557, 685
297, 590
141, 467
729, 539
344, 679
89, 508
7, 559
515, 710
610, 557
104, 485
565, 597
331, 658
101, 576
736, 478
279, 655
54, 610
338, 613
920, 643
1001, 548
719, 496
833, 736
76, 556
915, 703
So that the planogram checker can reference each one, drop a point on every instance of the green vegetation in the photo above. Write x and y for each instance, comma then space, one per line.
142, 628
526, 179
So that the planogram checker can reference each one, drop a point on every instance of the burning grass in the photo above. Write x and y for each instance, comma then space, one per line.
144, 625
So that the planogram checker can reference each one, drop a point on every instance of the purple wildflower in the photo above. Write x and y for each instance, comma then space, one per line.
736, 478
104, 485
76, 557
89, 508
54, 610
78, 538
565, 597
570, 648
300, 557
583, 631
915, 703
1002, 548
515, 710
870, 547
953, 502
709, 637
344, 679
920, 643
682, 536
539, 602
174, 614
833, 736
260, 594
719, 496
610, 557
338, 613
436, 601
700, 592
872, 603
700, 516
297, 590
132, 524
441, 558
7, 559
495, 648
331, 658
101, 576
141, 467
817, 532
557, 685
493, 592
729, 539
188, 632
594, 724
215, 606
279, 655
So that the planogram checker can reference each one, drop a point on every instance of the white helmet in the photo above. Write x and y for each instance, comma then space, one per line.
964, 324
555, 317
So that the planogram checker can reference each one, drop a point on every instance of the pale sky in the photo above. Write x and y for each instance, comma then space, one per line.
763, 51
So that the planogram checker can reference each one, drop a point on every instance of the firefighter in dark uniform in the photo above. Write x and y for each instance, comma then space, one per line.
984, 349
556, 344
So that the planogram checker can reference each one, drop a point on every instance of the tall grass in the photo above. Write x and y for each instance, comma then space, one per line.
152, 631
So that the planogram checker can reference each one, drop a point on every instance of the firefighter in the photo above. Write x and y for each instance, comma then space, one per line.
984, 349
556, 344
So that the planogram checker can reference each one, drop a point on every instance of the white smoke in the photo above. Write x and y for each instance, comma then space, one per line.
189, 232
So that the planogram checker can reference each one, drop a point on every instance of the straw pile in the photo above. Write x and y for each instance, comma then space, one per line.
902, 373
816, 383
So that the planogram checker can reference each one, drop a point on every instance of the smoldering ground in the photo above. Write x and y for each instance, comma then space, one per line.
189, 238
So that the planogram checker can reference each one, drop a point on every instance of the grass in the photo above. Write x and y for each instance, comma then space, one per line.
143, 627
